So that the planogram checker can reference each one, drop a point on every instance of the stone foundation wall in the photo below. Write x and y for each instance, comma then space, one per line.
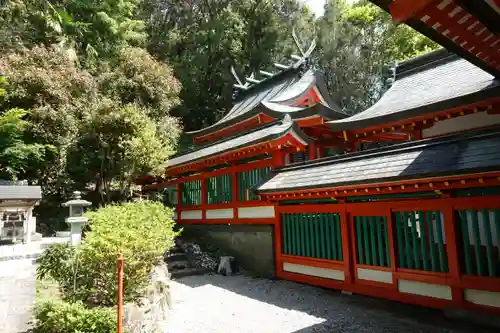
251, 245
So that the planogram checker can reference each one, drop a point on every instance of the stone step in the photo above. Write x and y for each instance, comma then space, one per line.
176, 274
171, 257
180, 264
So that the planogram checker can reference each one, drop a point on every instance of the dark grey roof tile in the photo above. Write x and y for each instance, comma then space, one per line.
260, 135
424, 89
458, 154
20, 192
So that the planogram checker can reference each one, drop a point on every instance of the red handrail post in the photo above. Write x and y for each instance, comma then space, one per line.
119, 300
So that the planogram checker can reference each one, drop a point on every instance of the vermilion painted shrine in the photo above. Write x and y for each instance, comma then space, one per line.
417, 220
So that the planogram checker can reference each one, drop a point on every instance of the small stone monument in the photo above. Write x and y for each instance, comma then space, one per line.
76, 220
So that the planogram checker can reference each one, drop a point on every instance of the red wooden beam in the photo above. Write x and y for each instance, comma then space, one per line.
204, 175
247, 124
402, 10
437, 184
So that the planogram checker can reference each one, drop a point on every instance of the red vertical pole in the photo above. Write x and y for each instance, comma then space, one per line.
119, 298
452, 252
313, 150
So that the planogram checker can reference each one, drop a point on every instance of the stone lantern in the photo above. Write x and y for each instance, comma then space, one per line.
76, 220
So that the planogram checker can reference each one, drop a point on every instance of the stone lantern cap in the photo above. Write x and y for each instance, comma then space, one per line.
77, 201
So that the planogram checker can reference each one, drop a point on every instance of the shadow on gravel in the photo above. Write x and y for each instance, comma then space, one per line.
342, 313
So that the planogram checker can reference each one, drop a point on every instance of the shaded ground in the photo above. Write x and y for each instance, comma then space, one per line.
214, 303
17, 294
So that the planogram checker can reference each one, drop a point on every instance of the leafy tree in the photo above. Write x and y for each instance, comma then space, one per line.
17, 156
116, 145
136, 77
357, 42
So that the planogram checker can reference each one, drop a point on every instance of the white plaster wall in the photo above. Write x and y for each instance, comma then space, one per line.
374, 275
326, 273
220, 213
425, 289
475, 120
174, 216
482, 297
256, 212
191, 215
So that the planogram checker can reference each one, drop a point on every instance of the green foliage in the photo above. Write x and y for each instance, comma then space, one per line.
57, 316
16, 155
56, 263
138, 78
141, 231
356, 44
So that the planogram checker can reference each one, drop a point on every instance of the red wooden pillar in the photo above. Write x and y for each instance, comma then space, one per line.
235, 187
278, 159
452, 252
392, 246
179, 200
347, 253
277, 243
204, 192
313, 151
204, 197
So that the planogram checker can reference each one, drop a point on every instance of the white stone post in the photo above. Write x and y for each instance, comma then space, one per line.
28, 225
76, 220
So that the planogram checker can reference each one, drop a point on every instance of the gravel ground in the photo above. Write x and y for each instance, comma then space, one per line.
214, 303
17, 294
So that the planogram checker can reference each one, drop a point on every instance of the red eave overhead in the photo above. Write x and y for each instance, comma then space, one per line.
284, 142
245, 125
465, 25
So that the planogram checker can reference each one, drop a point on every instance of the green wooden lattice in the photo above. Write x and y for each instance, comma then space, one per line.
420, 241
314, 235
372, 240
479, 233
219, 189
248, 179
191, 193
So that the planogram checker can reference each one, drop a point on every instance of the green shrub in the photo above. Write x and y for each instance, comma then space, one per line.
56, 263
57, 316
140, 230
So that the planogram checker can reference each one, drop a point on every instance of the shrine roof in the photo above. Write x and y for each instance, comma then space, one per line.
20, 192
468, 28
434, 82
273, 95
265, 133
477, 151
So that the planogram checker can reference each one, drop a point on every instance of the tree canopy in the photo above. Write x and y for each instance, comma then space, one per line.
96, 93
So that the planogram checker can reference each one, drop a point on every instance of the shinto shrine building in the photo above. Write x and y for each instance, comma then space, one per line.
283, 178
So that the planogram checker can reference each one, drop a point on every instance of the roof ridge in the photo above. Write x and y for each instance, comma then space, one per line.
407, 146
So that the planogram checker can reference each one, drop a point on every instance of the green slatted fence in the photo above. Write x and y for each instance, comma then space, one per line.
314, 235
420, 240
372, 240
479, 238
191, 193
219, 189
247, 179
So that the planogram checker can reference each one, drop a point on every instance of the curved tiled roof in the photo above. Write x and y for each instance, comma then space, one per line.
276, 95
426, 84
453, 155
262, 134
